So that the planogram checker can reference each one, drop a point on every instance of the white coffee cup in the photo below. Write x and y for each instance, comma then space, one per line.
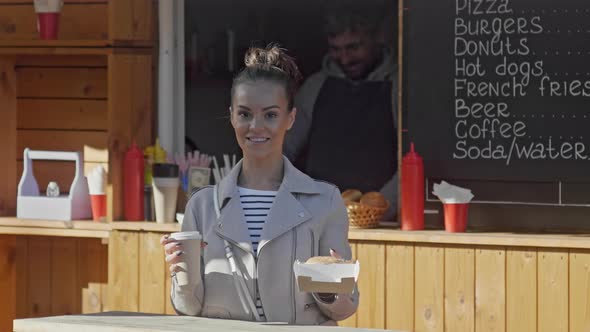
190, 264
165, 184
165, 191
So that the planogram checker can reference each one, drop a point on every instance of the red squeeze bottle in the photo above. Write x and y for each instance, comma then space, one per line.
133, 178
412, 191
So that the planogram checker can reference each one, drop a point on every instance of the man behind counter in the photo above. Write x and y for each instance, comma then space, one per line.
345, 127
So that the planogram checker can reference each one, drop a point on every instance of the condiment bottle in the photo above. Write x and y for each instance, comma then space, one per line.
133, 178
412, 209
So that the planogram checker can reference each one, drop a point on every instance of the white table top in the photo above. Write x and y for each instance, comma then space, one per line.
131, 322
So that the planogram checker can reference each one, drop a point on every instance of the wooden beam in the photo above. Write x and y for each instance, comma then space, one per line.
131, 20
69, 114
490, 289
152, 283
7, 282
84, 83
123, 291
8, 137
129, 118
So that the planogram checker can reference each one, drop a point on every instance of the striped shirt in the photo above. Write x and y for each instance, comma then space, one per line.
256, 205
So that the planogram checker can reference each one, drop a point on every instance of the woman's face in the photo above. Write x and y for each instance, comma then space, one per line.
261, 118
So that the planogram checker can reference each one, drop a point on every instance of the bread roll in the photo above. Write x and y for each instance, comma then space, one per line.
351, 195
327, 260
375, 199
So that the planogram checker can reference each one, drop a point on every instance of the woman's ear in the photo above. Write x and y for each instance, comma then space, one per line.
292, 116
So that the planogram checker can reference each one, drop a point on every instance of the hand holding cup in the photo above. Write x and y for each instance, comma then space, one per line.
183, 253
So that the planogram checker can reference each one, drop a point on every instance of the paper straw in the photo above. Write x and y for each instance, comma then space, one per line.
215, 163
189, 157
196, 157
216, 175
226, 163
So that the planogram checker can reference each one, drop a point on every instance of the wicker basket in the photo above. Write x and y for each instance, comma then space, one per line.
364, 216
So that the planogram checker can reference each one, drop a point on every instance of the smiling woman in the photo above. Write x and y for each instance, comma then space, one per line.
262, 110
261, 116
263, 216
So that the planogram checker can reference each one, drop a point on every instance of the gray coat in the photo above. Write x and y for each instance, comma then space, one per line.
307, 218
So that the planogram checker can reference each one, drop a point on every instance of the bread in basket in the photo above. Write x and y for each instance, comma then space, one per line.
364, 211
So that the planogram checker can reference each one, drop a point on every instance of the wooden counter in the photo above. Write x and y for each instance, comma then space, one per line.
131, 321
89, 229
416, 281
51, 267
570, 241
78, 229
145, 226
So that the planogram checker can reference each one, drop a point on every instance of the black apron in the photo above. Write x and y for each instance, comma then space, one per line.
352, 141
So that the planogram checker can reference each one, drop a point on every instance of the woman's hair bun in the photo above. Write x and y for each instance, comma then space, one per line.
272, 57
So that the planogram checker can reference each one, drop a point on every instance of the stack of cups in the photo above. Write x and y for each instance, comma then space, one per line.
190, 266
48, 17
97, 180
165, 183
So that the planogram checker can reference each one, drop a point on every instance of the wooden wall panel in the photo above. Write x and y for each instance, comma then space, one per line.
22, 271
77, 21
93, 257
92, 298
152, 283
57, 60
39, 276
123, 291
52, 271
450, 288
65, 295
64, 82
399, 286
371, 311
7, 281
352, 320
92, 273
521, 288
459, 290
68, 120
553, 274
429, 288
129, 118
579, 292
490, 289
91, 143
8, 136
68, 114
131, 20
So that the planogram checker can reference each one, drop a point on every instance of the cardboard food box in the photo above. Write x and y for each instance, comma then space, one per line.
326, 278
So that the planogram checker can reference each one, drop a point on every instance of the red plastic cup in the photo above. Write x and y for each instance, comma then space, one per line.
48, 25
456, 217
99, 207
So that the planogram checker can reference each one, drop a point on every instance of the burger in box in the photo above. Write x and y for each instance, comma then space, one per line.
326, 274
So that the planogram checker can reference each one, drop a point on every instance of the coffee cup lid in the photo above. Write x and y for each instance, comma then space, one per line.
186, 235
164, 170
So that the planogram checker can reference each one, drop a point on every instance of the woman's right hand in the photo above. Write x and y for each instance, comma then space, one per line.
172, 250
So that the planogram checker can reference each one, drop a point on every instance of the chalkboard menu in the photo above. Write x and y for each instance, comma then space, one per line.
499, 89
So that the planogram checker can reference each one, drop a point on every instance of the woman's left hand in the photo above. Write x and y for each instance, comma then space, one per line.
329, 297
